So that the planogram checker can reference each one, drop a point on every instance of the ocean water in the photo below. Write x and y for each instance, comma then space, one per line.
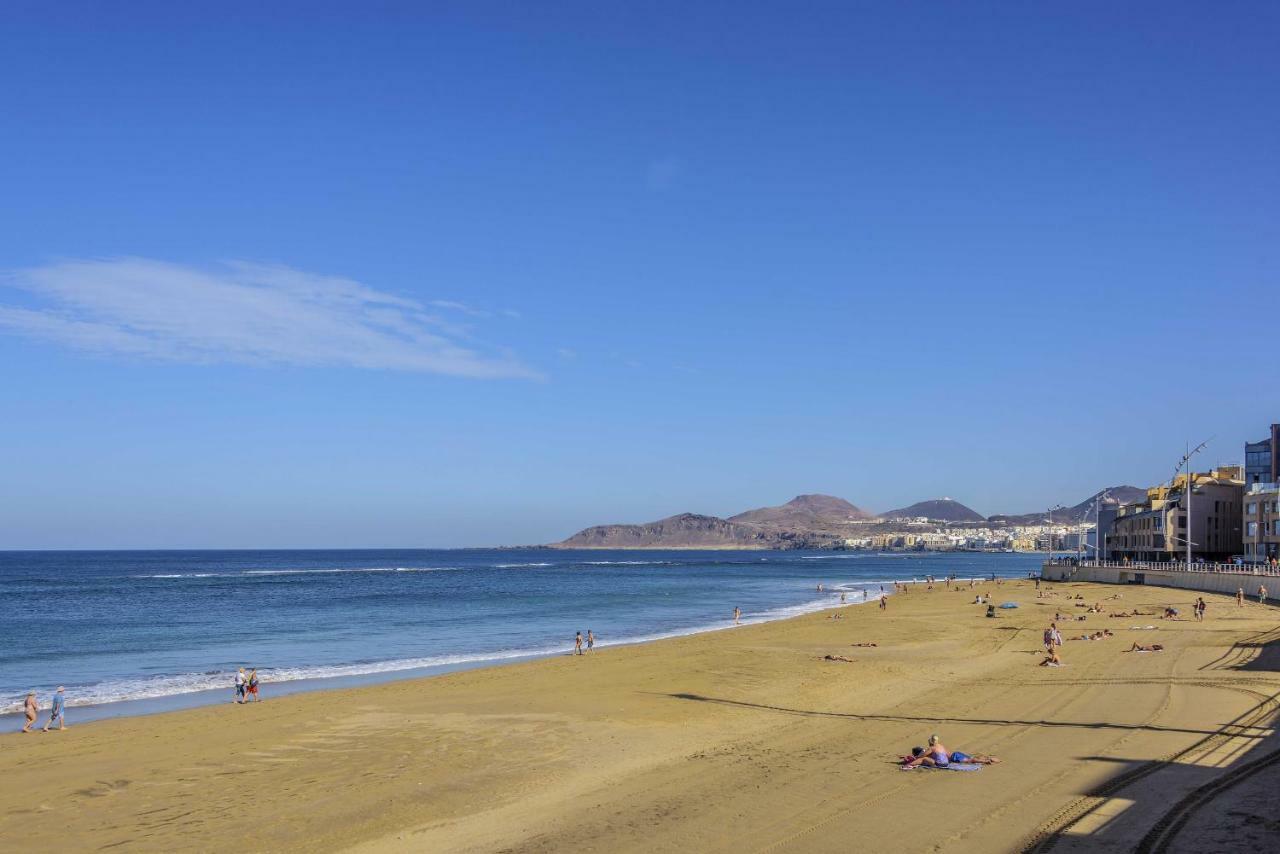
120, 627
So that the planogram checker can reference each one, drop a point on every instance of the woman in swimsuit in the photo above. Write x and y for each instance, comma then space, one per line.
31, 710
935, 756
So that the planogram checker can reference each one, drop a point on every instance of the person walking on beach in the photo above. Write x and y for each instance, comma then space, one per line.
241, 684
1239, 597
1262, 594
884, 602
591, 640
31, 709
57, 712
1199, 609
737, 616
1052, 638
577, 644
251, 685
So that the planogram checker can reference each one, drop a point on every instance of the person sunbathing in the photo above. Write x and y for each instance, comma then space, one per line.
935, 756
1051, 660
837, 658
862, 644
1137, 647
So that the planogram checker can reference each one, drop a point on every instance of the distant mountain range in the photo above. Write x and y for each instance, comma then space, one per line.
1070, 515
807, 521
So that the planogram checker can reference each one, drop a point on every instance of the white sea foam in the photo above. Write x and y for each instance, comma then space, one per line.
149, 688
627, 562
257, 572
519, 565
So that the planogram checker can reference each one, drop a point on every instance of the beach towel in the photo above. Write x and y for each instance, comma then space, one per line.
952, 767
1008, 604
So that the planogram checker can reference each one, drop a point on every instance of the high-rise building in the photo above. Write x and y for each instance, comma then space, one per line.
1262, 459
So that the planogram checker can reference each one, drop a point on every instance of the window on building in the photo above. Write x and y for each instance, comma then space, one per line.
1251, 508
1251, 529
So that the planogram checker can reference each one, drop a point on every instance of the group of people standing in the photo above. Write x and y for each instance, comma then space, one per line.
57, 711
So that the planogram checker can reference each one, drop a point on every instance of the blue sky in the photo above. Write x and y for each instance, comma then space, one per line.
445, 275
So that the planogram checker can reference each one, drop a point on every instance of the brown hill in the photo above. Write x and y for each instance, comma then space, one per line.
683, 531
941, 509
804, 512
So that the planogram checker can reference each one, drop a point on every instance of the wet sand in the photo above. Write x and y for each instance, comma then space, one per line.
740, 740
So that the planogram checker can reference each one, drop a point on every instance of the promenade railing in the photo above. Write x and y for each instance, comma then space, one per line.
1171, 566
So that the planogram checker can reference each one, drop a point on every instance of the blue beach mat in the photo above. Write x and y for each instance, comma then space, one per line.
952, 767
1008, 604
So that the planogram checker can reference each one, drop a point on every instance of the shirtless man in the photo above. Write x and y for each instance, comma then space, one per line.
958, 758
1262, 594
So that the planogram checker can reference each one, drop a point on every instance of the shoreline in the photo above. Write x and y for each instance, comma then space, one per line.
719, 741
381, 674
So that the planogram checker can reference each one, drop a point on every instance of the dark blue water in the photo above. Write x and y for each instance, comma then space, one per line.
121, 626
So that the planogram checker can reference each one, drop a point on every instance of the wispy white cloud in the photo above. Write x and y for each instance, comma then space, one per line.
454, 305
244, 313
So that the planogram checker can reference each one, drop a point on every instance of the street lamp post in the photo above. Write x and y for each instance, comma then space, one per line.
1049, 531
1190, 487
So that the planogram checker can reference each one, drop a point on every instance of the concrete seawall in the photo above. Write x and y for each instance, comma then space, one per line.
1226, 581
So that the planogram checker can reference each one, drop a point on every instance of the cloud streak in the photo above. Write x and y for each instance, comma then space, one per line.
242, 313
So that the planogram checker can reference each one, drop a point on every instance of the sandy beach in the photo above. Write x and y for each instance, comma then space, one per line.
738, 740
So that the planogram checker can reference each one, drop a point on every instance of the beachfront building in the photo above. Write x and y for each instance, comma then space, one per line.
1157, 528
1262, 459
1262, 523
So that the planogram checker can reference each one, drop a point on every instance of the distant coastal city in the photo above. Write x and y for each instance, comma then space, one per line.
1232, 514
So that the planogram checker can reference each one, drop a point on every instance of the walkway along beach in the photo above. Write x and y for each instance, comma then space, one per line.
739, 740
